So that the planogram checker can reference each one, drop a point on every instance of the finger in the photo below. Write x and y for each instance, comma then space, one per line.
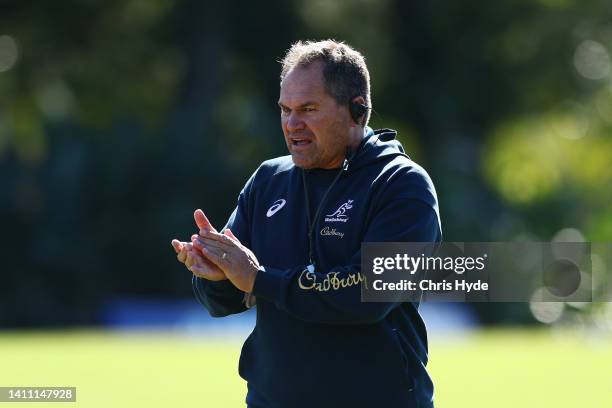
182, 256
216, 256
201, 271
201, 266
228, 232
195, 259
202, 221
189, 260
201, 243
194, 239
226, 242
206, 269
177, 245
213, 274
198, 259
197, 242
218, 237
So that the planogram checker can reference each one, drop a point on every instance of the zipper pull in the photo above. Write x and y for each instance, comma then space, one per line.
348, 155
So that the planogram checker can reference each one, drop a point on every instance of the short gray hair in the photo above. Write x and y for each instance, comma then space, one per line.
344, 69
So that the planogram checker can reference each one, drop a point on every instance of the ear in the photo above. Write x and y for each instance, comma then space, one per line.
358, 110
358, 99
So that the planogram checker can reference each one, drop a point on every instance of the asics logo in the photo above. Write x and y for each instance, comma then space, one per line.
276, 206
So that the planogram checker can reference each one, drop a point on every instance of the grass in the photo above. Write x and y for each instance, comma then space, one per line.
156, 369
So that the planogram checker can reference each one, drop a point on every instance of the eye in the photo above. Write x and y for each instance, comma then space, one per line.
309, 109
285, 110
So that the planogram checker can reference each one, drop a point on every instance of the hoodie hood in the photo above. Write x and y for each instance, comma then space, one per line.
376, 145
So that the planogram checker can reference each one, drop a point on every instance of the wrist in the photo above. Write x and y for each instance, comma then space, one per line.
257, 269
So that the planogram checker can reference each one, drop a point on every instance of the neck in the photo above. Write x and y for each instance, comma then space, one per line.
356, 136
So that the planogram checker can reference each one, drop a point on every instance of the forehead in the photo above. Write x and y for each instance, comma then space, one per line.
303, 84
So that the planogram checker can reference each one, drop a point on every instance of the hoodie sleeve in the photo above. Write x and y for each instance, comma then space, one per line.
222, 298
404, 218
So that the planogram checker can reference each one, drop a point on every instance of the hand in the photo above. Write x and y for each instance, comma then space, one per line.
193, 258
237, 262
195, 262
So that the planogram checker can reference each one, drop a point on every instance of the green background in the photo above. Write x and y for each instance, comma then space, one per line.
529, 369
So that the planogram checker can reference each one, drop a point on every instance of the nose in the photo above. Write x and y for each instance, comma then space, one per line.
294, 122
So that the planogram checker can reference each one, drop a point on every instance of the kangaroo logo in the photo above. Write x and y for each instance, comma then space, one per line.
340, 214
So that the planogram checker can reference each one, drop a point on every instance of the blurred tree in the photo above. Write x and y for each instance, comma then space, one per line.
118, 118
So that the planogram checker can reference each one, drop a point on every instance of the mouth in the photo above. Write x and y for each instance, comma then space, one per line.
299, 141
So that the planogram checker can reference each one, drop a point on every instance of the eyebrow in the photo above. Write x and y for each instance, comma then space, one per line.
280, 104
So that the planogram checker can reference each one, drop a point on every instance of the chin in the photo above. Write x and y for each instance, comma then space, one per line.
301, 163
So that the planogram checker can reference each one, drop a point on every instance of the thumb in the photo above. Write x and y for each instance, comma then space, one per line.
202, 221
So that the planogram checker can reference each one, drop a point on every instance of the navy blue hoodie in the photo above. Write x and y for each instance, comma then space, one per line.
315, 344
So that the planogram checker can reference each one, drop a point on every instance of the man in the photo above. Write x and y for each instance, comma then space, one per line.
299, 223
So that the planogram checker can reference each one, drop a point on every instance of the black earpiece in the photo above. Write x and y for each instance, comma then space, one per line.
358, 110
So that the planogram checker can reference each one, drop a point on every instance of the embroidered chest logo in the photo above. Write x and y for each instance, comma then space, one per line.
327, 232
276, 206
340, 214
309, 280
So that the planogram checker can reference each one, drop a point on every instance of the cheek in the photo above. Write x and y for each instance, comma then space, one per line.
284, 125
316, 126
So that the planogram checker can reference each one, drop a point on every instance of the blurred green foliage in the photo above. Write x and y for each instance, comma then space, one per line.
118, 118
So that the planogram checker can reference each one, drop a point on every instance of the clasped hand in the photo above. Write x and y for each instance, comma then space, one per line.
217, 256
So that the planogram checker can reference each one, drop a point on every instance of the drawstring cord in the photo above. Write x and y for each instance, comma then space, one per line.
312, 222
